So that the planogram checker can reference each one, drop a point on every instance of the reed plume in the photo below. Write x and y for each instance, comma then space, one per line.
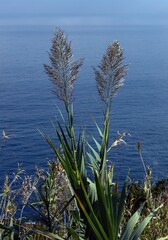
63, 70
111, 72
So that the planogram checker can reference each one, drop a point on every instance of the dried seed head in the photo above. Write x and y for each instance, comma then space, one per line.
26, 189
111, 72
63, 70
6, 185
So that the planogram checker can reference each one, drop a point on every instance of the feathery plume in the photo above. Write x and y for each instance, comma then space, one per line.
63, 70
111, 73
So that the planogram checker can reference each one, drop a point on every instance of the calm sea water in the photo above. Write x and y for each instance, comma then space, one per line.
140, 107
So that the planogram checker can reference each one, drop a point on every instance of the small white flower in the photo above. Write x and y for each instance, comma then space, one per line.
119, 140
4, 135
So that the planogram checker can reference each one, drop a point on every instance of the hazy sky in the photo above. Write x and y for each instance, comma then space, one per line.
77, 12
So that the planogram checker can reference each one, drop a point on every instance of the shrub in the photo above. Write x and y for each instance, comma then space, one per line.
99, 205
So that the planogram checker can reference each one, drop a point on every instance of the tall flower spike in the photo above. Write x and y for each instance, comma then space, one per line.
111, 72
63, 70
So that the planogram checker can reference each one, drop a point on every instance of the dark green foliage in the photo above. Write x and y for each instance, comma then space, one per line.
159, 187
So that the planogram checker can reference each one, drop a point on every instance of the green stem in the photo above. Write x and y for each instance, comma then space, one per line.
69, 109
104, 146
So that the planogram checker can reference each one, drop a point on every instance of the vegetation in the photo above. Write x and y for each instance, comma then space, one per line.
76, 197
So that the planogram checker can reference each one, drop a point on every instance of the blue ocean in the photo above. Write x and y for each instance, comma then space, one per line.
27, 103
